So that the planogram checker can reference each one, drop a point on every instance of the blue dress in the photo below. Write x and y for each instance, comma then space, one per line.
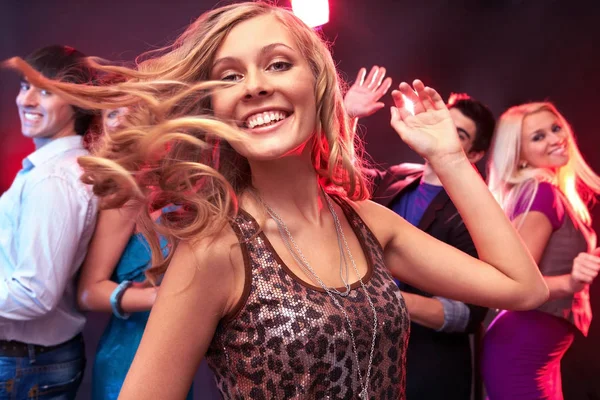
121, 338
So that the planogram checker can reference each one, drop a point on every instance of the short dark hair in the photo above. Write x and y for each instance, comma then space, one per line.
484, 120
65, 64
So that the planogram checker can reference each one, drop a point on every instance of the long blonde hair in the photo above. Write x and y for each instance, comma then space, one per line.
511, 184
172, 150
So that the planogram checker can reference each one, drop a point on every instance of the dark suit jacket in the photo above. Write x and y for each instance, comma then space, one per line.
438, 363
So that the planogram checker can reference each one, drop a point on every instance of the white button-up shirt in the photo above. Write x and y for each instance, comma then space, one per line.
47, 219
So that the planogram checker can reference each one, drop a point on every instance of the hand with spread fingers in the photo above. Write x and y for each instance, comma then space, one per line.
430, 130
362, 99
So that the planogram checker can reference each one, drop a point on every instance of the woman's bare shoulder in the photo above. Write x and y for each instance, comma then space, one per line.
383, 222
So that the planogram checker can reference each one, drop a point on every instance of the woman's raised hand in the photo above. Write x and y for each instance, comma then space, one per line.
429, 129
362, 99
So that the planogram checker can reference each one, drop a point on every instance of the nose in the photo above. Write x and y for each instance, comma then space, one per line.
28, 98
257, 85
558, 138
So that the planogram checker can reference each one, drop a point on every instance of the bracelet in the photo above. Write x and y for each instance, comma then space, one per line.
115, 300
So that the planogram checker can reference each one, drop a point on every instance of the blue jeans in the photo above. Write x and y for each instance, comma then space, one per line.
53, 375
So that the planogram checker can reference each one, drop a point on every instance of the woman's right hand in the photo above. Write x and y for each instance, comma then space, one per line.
428, 129
585, 270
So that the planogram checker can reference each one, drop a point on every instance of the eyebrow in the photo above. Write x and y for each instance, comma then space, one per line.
265, 50
463, 131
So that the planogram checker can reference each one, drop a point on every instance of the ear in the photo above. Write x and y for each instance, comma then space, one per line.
475, 156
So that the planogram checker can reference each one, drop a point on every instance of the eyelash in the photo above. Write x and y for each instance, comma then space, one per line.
284, 64
227, 78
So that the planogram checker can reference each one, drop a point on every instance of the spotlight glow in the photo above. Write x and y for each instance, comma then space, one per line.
314, 13
409, 105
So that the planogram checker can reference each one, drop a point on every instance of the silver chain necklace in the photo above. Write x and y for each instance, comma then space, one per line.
299, 257
302, 262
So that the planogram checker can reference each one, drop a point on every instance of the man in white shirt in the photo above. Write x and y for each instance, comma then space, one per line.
47, 218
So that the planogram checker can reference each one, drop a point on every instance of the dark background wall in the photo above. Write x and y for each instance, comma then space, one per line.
500, 51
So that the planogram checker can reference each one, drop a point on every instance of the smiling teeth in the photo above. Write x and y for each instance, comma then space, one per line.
32, 117
264, 118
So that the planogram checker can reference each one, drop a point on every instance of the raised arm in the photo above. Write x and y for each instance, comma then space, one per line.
202, 285
113, 231
506, 276
362, 99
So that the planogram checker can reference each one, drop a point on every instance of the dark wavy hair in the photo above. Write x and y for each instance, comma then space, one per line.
482, 116
66, 64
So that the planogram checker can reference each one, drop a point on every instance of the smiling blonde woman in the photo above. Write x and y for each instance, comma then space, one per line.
279, 269
543, 183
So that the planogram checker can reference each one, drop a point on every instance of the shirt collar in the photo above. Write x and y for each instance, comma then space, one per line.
53, 149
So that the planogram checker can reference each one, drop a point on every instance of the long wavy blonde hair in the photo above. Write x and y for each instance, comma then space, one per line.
511, 184
172, 150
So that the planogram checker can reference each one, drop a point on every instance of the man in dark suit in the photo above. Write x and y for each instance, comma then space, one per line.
439, 352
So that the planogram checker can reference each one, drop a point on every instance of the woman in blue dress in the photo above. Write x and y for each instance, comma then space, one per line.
113, 280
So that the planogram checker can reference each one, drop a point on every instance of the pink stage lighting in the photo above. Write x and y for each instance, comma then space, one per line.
314, 13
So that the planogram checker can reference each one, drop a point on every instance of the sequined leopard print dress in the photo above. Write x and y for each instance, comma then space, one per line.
288, 339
